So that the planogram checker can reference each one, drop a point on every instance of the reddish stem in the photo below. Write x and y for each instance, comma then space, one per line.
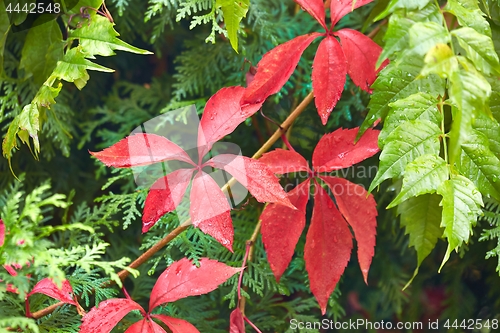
240, 280
251, 324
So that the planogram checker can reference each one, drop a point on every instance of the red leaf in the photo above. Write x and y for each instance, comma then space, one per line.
315, 8
282, 161
254, 175
339, 8
145, 326
275, 68
102, 319
164, 196
328, 247
141, 149
49, 288
2, 232
222, 114
284, 224
236, 322
362, 54
177, 325
360, 211
209, 210
337, 150
328, 76
183, 279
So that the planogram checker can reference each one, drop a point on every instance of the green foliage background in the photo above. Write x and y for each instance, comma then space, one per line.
73, 214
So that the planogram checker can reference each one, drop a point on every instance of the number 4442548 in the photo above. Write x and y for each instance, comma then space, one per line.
472, 324
34, 8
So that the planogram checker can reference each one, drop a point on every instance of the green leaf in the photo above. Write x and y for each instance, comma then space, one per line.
424, 35
491, 129
406, 4
479, 164
461, 206
100, 38
469, 92
29, 122
468, 14
419, 106
10, 141
479, 48
73, 68
233, 11
4, 30
396, 37
409, 141
42, 49
397, 81
423, 175
421, 217
495, 97
440, 60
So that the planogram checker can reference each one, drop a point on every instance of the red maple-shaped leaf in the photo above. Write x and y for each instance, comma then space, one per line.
210, 210
339, 8
339, 150
48, 287
141, 149
360, 211
145, 326
315, 8
275, 68
2, 232
286, 224
103, 318
183, 279
328, 247
222, 114
236, 322
362, 54
164, 196
328, 76
281, 161
254, 175
177, 325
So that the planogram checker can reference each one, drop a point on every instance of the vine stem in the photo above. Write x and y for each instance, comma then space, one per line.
177, 231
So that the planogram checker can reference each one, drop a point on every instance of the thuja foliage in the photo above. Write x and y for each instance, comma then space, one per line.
423, 87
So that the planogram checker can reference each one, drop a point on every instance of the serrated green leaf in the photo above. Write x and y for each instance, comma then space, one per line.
419, 106
469, 92
406, 4
100, 38
73, 68
42, 49
10, 141
491, 130
440, 60
468, 14
4, 30
396, 37
479, 48
461, 206
421, 217
398, 81
495, 97
423, 175
29, 121
234, 11
424, 35
410, 140
479, 164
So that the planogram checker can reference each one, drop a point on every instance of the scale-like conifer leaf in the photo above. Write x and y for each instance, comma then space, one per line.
328, 247
328, 76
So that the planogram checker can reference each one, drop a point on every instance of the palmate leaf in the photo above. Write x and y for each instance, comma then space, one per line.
176, 325
315, 8
461, 206
419, 106
423, 175
145, 326
340, 8
480, 165
421, 217
328, 76
328, 247
234, 11
479, 48
408, 141
397, 81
